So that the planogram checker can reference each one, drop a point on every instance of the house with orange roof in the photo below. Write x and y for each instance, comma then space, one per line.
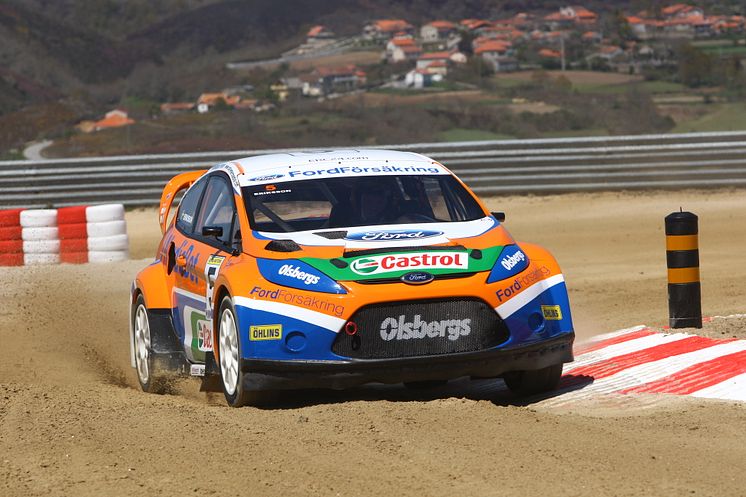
435, 62
327, 80
681, 10
435, 31
402, 48
548, 53
474, 25
385, 29
568, 17
113, 119
319, 34
497, 54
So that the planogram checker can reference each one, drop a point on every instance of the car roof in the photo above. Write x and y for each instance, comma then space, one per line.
295, 166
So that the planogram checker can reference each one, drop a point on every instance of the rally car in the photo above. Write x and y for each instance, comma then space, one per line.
334, 269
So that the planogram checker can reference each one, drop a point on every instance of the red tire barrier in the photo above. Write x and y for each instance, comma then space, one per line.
72, 245
71, 215
10, 217
74, 257
73, 235
11, 259
11, 247
74, 231
10, 233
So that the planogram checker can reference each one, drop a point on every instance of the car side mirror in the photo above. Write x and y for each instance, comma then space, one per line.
216, 231
500, 216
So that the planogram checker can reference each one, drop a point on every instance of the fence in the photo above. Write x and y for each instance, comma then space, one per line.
547, 165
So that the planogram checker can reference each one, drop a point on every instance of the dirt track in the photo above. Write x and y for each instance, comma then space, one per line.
72, 422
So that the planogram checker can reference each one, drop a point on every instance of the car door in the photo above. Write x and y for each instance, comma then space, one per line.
206, 237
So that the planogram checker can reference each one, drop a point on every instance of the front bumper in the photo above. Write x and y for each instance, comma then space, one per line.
262, 374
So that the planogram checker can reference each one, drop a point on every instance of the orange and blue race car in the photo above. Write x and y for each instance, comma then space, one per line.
339, 268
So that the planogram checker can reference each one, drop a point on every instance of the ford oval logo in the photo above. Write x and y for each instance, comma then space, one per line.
417, 278
393, 235
269, 177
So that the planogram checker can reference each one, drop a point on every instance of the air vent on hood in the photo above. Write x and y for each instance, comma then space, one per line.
282, 246
332, 235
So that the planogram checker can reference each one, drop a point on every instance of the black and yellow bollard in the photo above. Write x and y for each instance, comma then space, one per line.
682, 258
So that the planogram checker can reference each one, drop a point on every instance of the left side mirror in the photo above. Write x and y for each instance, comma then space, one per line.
500, 216
216, 231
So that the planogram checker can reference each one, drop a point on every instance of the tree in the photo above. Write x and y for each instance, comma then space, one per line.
696, 68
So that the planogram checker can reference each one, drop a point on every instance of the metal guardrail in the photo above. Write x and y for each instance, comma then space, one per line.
545, 165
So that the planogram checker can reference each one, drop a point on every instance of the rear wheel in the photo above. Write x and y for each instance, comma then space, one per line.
150, 379
533, 381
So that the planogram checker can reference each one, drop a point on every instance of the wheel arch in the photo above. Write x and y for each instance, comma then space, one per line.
221, 292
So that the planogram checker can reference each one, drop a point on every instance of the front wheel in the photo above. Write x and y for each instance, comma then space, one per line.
229, 350
150, 378
533, 381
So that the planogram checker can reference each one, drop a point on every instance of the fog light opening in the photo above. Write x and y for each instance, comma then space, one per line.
351, 328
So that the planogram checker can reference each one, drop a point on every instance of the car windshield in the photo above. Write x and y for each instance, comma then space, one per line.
358, 201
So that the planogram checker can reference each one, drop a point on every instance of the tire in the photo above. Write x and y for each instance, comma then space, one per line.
74, 231
73, 257
229, 348
8, 233
41, 247
38, 218
108, 228
108, 243
114, 256
11, 259
523, 383
71, 215
425, 384
151, 380
104, 213
11, 247
74, 245
10, 217
39, 234
40, 259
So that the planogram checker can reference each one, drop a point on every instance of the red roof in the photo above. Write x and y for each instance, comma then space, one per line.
677, 8
392, 25
442, 24
492, 46
472, 24
550, 54
402, 42
315, 31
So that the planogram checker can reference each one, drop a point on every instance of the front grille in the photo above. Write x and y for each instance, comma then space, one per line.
421, 328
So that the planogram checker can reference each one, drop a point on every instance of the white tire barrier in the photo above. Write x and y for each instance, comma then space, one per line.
96, 256
31, 234
39, 259
108, 243
66, 235
39, 218
104, 213
106, 228
41, 247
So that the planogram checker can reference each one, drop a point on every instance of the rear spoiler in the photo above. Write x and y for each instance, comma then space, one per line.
174, 186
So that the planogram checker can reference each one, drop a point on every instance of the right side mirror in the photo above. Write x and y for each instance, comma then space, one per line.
500, 216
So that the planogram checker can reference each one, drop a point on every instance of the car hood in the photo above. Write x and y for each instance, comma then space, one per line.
388, 251
387, 236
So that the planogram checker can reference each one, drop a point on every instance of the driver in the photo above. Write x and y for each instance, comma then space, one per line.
377, 205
